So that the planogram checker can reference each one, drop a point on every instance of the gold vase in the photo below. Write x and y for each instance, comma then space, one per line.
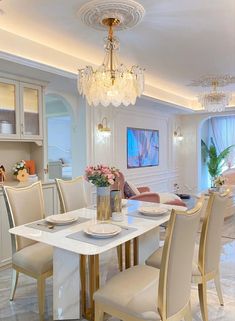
116, 201
103, 203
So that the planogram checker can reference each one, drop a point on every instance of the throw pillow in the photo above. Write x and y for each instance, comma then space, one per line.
168, 197
128, 191
134, 188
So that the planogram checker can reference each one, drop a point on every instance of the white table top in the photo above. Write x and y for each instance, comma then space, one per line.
59, 239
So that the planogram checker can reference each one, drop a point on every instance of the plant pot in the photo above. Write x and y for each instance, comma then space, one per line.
103, 203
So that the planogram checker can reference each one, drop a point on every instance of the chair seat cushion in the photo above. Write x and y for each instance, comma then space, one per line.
36, 258
133, 291
154, 259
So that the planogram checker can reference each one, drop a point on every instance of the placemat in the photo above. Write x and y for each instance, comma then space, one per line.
83, 237
155, 218
56, 228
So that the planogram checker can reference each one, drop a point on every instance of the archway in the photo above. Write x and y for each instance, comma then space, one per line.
221, 128
59, 123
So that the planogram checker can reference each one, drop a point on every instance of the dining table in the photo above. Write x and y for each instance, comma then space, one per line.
76, 255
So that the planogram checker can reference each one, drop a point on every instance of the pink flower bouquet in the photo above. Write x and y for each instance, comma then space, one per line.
101, 175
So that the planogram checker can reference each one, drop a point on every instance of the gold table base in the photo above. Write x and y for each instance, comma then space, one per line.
131, 257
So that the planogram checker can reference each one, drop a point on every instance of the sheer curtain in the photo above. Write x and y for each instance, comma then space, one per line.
223, 132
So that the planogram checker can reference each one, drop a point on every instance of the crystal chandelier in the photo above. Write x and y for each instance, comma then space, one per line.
112, 83
215, 101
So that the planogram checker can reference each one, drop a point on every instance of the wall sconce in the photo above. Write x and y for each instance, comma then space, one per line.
178, 135
103, 128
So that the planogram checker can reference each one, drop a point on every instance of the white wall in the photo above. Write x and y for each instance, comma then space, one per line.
112, 151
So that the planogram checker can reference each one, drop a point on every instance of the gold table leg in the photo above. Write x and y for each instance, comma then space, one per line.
83, 284
128, 254
94, 284
136, 250
120, 258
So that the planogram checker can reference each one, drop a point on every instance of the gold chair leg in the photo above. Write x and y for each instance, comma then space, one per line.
99, 313
41, 297
119, 255
203, 300
15, 276
188, 314
218, 288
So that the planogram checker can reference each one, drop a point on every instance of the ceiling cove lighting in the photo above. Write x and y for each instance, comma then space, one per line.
112, 83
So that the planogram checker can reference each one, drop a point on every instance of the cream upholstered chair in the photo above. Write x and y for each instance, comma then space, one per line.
207, 255
34, 259
145, 293
71, 194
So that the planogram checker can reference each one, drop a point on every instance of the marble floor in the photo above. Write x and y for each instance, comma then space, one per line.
24, 307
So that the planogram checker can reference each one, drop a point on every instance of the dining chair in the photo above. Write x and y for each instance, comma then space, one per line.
71, 194
207, 254
145, 293
25, 205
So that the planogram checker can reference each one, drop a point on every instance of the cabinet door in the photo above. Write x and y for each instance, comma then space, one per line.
31, 113
5, 238
9, 109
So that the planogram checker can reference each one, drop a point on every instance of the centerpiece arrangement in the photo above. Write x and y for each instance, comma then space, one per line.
102, 177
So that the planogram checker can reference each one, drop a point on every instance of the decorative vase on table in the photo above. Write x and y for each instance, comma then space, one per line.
103, 203
116, 201
102, 177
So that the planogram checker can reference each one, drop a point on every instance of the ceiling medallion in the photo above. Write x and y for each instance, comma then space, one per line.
214, 101
112, 82
128, 12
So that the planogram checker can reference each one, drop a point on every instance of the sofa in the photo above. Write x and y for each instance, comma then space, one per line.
143, 193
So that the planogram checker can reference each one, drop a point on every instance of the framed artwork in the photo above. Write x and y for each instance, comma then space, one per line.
142, 147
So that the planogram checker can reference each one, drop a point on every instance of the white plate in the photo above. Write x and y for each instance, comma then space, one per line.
61, 219
104, 229
152, 211
124, 202
101, 236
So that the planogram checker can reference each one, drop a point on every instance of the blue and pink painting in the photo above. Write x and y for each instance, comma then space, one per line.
142, 147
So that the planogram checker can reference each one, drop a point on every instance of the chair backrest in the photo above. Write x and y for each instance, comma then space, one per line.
176, 266
210, 240
71, 194
24, 205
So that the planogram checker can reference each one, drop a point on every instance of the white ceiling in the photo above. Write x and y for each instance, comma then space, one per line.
177, 41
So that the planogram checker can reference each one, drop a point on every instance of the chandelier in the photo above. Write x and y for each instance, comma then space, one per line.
112, 82
215, 101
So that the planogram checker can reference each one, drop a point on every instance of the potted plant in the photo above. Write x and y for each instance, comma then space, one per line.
215, 162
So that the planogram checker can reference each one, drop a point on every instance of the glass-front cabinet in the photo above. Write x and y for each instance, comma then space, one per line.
9, 108
31, 123
20, 110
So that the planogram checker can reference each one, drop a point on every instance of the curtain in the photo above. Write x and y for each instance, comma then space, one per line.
223, 132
